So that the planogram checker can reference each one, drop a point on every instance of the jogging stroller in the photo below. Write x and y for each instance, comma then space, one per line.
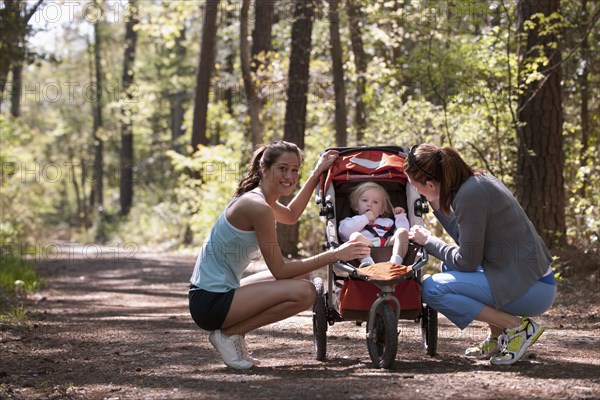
384, 298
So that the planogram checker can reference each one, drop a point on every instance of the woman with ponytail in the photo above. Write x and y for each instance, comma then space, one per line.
498, 272
218, 303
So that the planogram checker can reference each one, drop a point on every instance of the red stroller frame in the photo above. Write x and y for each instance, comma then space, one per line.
351, 295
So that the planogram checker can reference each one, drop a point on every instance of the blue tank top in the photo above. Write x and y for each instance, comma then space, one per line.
225, 254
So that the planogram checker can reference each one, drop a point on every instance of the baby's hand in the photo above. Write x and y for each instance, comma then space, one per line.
398, 210
370, 216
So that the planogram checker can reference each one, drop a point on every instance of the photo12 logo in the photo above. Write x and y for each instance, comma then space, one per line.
53, 172
71, 92
53, 251
57, 12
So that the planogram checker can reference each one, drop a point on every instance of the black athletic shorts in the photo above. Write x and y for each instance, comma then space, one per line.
209, 309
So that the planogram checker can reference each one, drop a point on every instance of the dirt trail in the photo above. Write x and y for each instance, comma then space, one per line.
120, 329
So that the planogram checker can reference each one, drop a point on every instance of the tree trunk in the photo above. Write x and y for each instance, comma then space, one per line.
249, 86
297, 91
262, 34
297, 96
341, 137
229, 69
85, 206
98, 197
126, 159
584, 156
14, 28
262, 46
97, 121
4, 69
79, 200
15, 96
360, 60
540, 163
203, 77
178, 99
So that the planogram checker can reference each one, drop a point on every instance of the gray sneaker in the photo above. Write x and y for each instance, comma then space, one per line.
230, 348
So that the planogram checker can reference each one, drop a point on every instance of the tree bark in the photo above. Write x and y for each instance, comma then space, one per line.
228, 95
203, 77
179, 98
341, 136
249, 85
297, 96
262, 46
584, 156
126, 156
360, 60
14, 28
97, 121
298, 75
98, 125
15, 96
262, 34
540, 163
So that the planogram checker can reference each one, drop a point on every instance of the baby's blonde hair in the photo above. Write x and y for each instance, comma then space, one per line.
363, 187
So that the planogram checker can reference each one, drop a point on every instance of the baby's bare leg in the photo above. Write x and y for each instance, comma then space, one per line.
400, 246
359, 237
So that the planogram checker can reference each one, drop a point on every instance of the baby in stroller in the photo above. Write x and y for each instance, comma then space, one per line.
372, 203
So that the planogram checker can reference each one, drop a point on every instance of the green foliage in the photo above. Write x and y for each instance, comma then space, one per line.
17, 274
21, 184
535, 64
16, 315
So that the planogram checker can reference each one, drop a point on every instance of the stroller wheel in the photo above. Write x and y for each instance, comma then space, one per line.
429, 329
320, 321
382, 340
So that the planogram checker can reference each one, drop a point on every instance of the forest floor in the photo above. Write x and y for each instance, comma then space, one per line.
114, 328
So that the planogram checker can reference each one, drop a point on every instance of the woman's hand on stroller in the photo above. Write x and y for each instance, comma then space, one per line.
419, 235
352, 250
325, 161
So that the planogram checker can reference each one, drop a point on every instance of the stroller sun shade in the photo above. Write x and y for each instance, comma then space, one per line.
370, 164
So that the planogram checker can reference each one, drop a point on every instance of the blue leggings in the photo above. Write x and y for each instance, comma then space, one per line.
461, 296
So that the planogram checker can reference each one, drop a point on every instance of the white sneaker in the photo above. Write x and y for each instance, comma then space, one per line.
246, 355
230, 348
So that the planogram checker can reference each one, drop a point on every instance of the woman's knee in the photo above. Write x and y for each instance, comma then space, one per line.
426, 290
310, 292
303, 292
431, 291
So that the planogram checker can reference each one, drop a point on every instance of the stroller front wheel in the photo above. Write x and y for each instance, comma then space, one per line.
382, 337
429, 329
320, 321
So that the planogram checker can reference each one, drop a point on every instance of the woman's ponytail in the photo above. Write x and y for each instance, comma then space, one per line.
455, 171
252, 178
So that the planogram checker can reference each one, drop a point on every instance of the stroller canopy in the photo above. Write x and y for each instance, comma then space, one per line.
362, 164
